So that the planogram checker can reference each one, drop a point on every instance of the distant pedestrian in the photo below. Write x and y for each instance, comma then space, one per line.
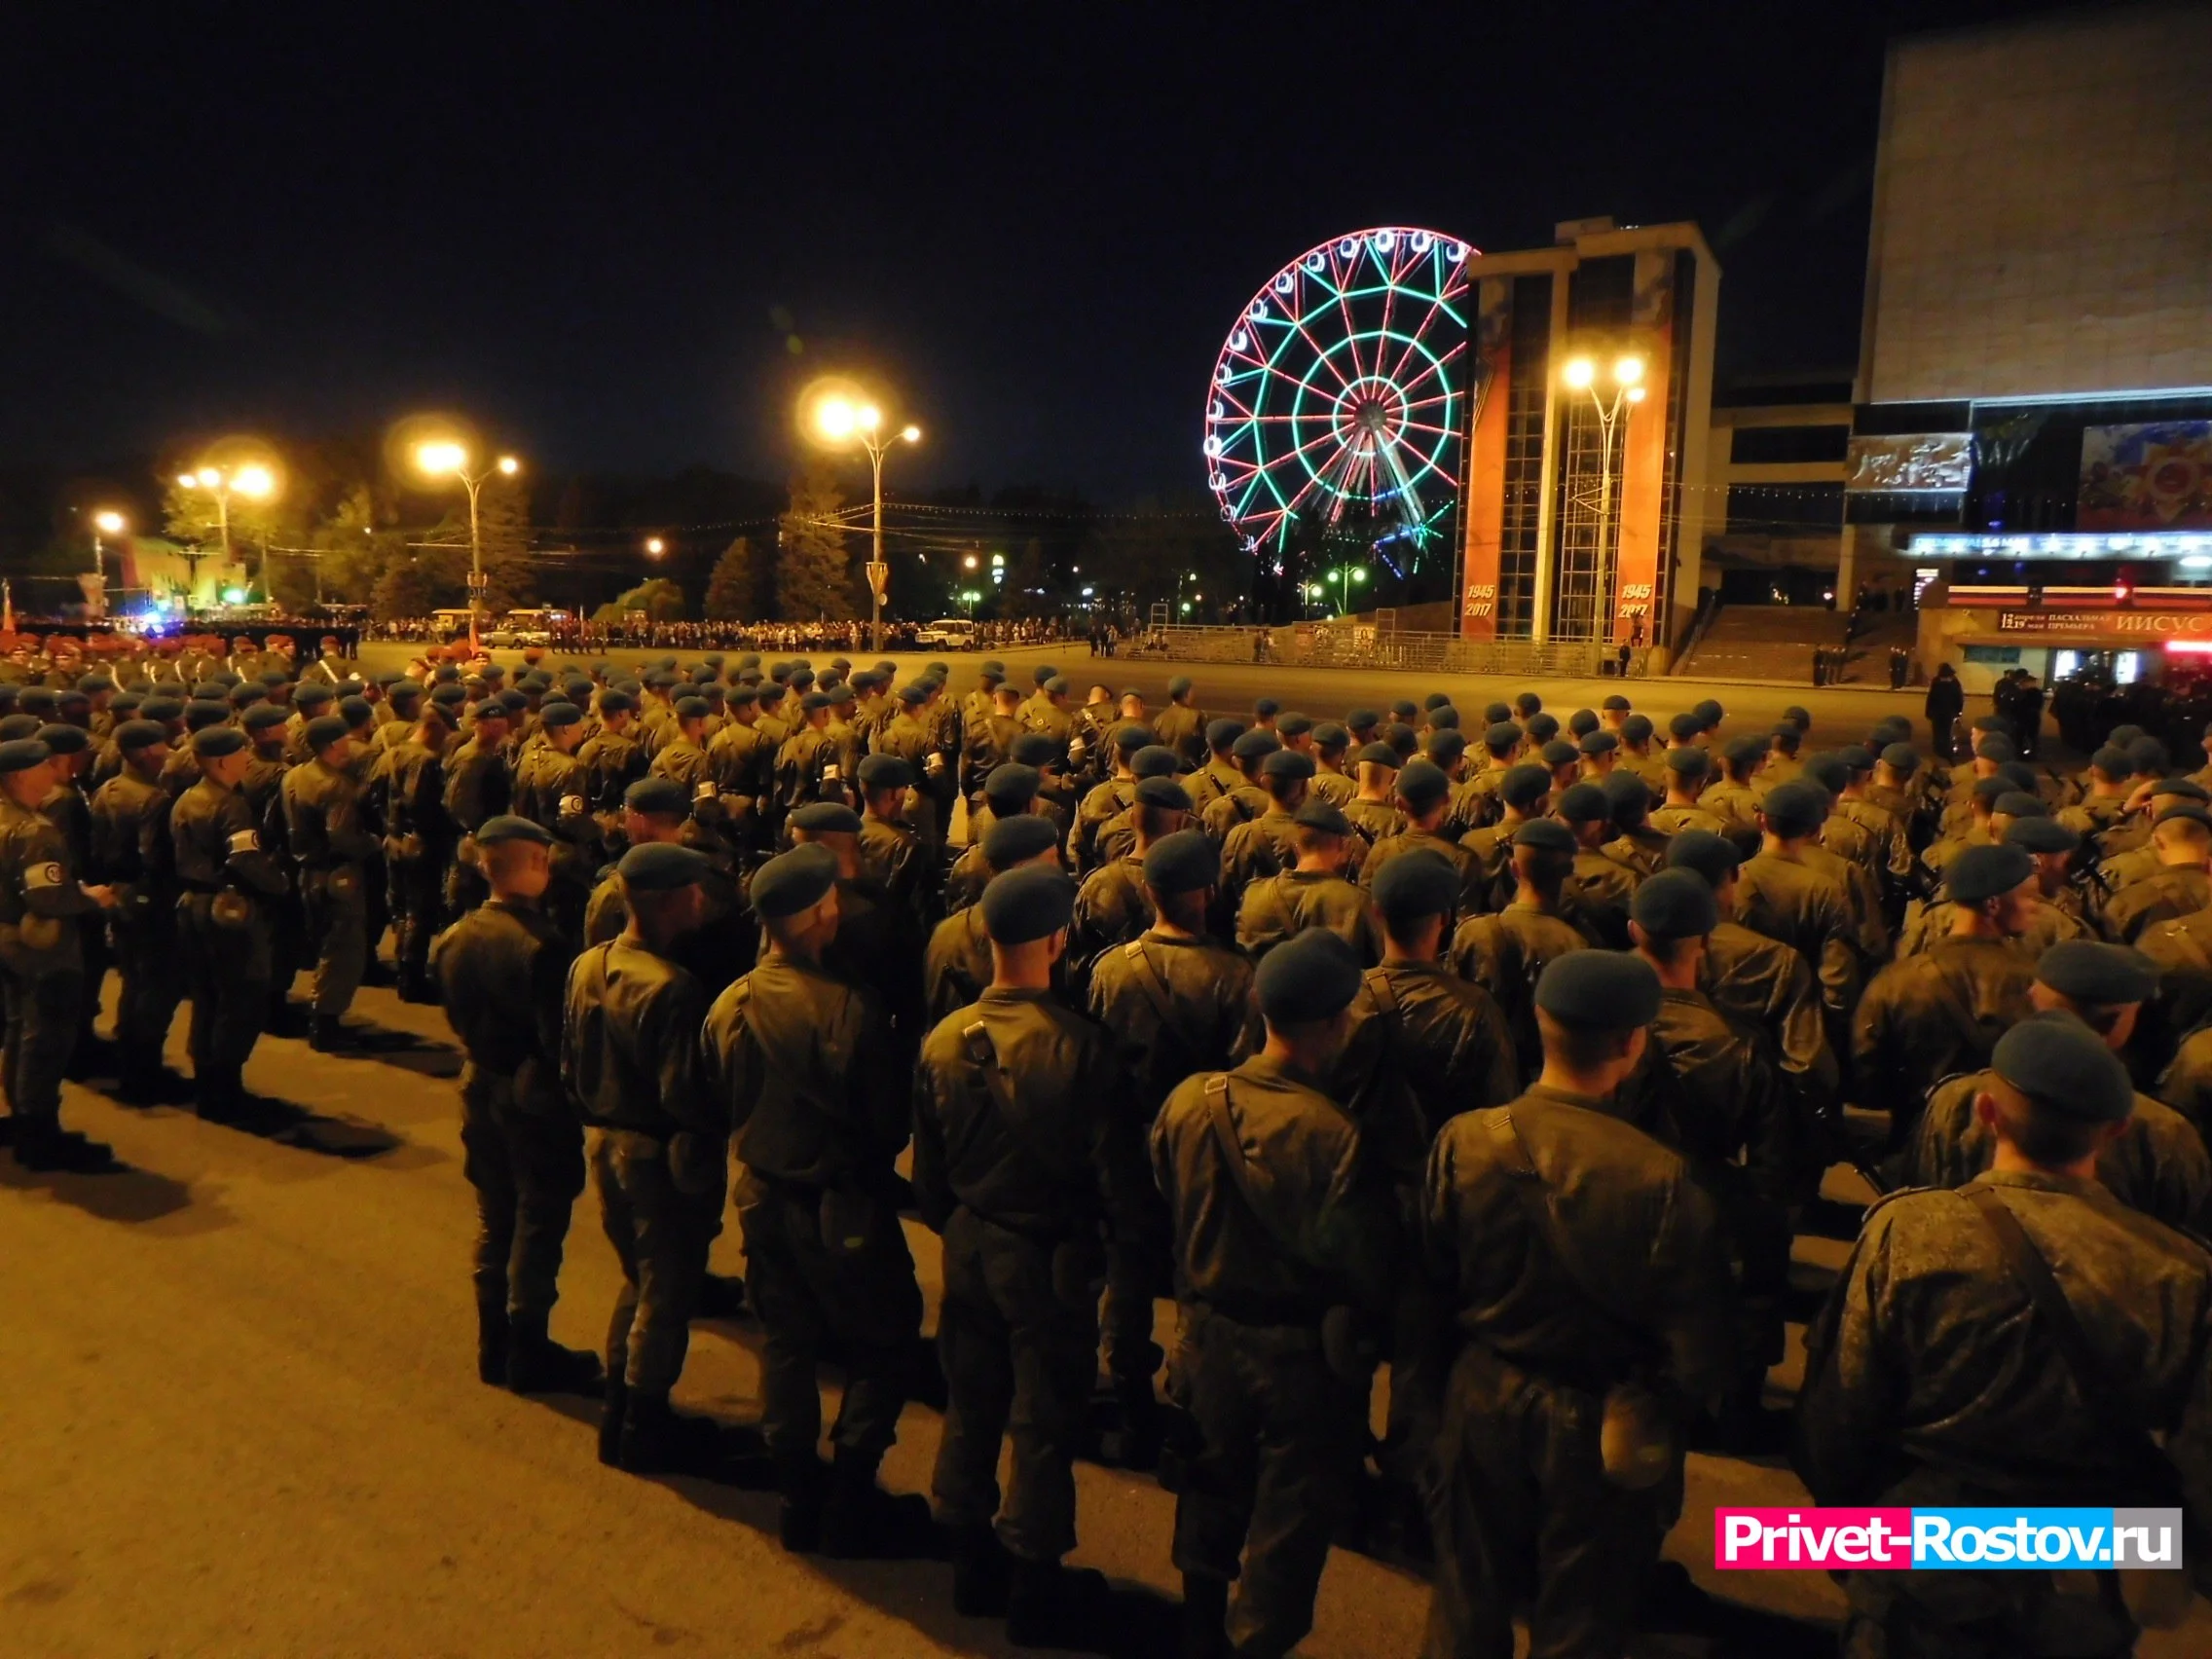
1946, 700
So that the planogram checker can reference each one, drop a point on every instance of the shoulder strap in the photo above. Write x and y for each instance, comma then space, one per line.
1385, 996
1536, 1196
1955, 1010
976, 1037
1233, 1159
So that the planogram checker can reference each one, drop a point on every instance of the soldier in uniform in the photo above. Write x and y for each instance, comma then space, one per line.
1246, 799
1475, 803
1111, 907
2014, 1341
1312, 892
419, 843
683, 757
1025, 1160
1591, 1285
500, 969
2183, 839
912, 736
1780, 895
1182, 725
1686, 771
893, 860
552, 790
1604, 887
722, 946
1506, 953
1523, 794
1266, 845
740, 756
802, 1065
1423, 794
130, 854
329, 843
987, 738
479, 786
1220, 773
956, 966
658, 1151
1286, 1272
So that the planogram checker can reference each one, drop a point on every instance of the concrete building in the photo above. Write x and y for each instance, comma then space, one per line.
1574, 529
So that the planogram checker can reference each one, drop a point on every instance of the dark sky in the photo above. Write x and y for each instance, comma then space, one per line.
595, 227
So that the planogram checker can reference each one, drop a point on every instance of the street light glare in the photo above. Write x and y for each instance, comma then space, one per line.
509, 466
1578, 373
440, 456
1635, 394
108, 523
207, 477
871, 417
913, 434
1629, 370
254, 481
188, 480
836, 418
656, 546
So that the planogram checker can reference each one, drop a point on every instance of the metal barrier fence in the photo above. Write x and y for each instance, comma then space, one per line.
1353, 645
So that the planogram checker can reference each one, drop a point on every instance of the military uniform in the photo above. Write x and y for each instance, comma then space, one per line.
328, 844
1472, 896
228, 882
1107, 801
419, 842
715, 953
2045, 925
1764, 983
1505, 954
132, 853
552, 791
1110, 909
1933, 1014
2176, 890
1444, 1039
1183, 728
956, 965
1603, 888
42, 966
1794, 905
478, 787
1280, 908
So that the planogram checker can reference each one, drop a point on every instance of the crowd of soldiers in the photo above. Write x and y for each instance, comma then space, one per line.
1513, 1063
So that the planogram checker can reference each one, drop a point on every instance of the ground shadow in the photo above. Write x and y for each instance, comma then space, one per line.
122, 1192
287, 1123
425, 1057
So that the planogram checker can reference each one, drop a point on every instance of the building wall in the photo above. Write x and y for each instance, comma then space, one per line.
2043, 214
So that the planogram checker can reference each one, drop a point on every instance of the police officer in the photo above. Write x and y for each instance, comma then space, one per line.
1592, 1288
658, 1151
2017, 1341
1286, 1272
500, 969
132, 853
802, 1064
40, 961
1025, 1160
329, 844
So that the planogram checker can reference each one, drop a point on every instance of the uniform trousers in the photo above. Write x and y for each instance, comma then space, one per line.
661, 1235
150, 984
338, 928
526, 1167
41, 1034
227, 970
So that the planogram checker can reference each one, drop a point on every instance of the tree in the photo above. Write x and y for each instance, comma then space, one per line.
1028, 591
503, 521
660, 599
354, 551
196, 516
415, 585
733, 585
814, 574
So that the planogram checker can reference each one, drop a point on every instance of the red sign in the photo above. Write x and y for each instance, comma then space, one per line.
2147, 626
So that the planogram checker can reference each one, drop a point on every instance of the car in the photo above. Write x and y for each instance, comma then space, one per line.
953, 632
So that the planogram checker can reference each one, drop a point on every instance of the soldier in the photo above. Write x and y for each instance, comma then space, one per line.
1220, 773
2017, 1341
1286, 1271
1637, 846
987, 740
500, 969
658, 1151
552, 790
1475, 804
1176, 1002
1604, 887
1330, 781
1424, 795
802, 1064
1024, 1161
1266, 845
878, 944
1942, 1011
328, 845
1110, 907
1780, 895
2183, 839
419, 843
956, 968
1373, 809
1247, 799
722, 946
131, 854
1523, 794
893, 860
1105, 800
1686, 771
1736, 798
739, 755
2050, 913
1591, 1285
683, 755
2157, 1163
1312, 892
478, 789
912, 735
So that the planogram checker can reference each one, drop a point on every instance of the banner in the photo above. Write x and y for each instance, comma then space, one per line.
1910, 460
2112, 624
2153, 477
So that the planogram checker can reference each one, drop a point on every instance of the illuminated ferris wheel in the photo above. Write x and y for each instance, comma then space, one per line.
1338, 393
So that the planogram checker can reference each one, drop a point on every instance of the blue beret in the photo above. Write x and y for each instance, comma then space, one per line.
1600, 990
1179, 686
1222, 732
1013, 784
1559, 752
1996, 746
1627, 797
1128, 739
2101, 973
1987, 789
404, 695
1186, 861
1331, 734
1422, 784
1636, 729
792, 881
658, 797
16, 726
66, 739
1546, 834
1037, 749
139, 734
1523, 785
661, 867
303, 696
1856, 757
2112, 760
244, 696
324, 731
507, 826
1794, 810
1287, 763
20, 754
1265, 705
1981, 873
1043, 671
2064, 1068
2184, 809
1744, 751
885, 772
2148, 754
1497, 713
1829, 772
265, 717
1055, 686
1415, 885
2037, 833
452, 694
1690, 761
1713, 856
1320, 813
1027, 904
1675, 904
1363, 719
554, 716
1017, 839
1162, 793
1582, 721
197, 717
1615, 702
1312, 977
612, 702
1154, 761
1255, 744
1377, 754
213, 742
826, 818
813, 701
1710, 712
1583, 804
512, 700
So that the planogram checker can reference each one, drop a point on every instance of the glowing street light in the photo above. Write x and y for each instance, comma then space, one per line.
106, 522
839, 420
654, 547
251, 480
445, 458
1580, 374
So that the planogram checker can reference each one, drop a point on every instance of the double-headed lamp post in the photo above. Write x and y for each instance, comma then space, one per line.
253, 481
106, 522
840, 420
1628, 390
443, 457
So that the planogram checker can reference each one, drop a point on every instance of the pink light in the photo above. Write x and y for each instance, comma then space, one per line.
2190, 647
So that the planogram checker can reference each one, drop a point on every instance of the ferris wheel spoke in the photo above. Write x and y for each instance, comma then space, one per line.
1435, 305
1435, 367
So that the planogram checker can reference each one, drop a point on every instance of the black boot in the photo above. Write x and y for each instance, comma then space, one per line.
1206, 1617
538, 1364
327, 1034
611, 1420
1139, 1441
721, 1296
492, 1349
1051, 1605
43, 1145
657, 1440
802, 1480
980, 1571
861, 1520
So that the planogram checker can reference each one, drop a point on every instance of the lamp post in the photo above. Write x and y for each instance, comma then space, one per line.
104, 523
840, 420
443, 457
253, 481
1581, 375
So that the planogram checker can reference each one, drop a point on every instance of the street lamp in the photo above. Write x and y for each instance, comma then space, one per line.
969, 599
654, 547
1580, 374
107, 521
840, 420
443, 457
253, 481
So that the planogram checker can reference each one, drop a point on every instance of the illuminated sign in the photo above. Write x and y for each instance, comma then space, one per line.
2147, 626
2062, 544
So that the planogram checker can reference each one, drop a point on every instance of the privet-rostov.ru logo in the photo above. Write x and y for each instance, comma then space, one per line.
1899, 1540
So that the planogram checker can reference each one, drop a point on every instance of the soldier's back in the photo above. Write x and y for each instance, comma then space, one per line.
1278, 907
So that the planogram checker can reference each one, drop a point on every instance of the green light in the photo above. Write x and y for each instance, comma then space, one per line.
233, 596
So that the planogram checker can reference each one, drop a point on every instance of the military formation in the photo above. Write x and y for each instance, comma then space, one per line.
1505, 1062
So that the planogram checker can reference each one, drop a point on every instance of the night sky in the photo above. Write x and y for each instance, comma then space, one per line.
599, 230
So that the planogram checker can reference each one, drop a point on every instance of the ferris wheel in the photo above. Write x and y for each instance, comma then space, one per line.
1339, 391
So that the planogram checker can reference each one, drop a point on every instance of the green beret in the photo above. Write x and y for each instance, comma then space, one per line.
2148, 754
2018, 803
2064, 1068
612, 702
1710, 712
555, 715
1312, 977
2186, 789
1523, 787
1546, 834
1689, 762
513, 701
1263, 706
1598, 743
1016, 839
1543, 728
826, 818
812, 701
405, 695
133, 735
354, 709
1420, 785
742, 697
1322, 814
1829, 772
2104, 975
1414, 887
197, 717
885, 772
1162, 793
1186, 861
1901, 757
1798, 717
245, 696
1856, 757
1128, 739
1294, 723
661, 867
1287, 763
792, 881
66, 739
2188, 809
1636, 729
1713, 856
1363, 719
1794, 810
507, 826
658, 797
265, 717
1981, 873
2038, 833
1179, 686
1995, 747
162, 708
1446, 745
1154, 761
1559, 752
1027, 904
1377, 754
1056, 687
324, 731
1583, 804
1600, 990
1627, 797
1012, 783
1255, 745
1331, 734
452, 694
1043, 671
214, 742
1582, 722
16, 726
1744, 751
1675, 904
1222, 731
306, 696
1615, 702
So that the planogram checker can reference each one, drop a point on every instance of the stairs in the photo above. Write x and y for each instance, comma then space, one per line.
1878, 631
1772, 642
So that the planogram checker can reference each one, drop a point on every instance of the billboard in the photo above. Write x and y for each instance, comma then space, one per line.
2156, 475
